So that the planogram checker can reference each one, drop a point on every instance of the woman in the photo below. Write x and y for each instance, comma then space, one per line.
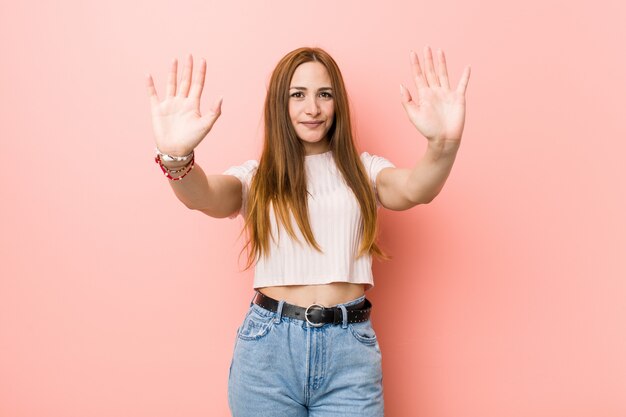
306, 346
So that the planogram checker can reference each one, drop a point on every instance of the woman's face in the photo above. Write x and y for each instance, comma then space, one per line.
311, 106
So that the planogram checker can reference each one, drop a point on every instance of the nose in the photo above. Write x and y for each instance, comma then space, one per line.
312, 106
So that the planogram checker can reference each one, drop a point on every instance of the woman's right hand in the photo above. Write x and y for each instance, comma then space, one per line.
177, 123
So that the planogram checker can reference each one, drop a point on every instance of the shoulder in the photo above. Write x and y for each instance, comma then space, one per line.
375, 163
244, 171
371, 158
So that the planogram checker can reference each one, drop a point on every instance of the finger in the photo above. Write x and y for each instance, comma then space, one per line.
443, 70
462, 87
405, 95
171, 79
218, 106
418, 75
214, 113
431, 75
152, 94
406, 99
185, 80
198, 82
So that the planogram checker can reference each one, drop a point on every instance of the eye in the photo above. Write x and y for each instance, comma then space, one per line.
297, 94
326, 94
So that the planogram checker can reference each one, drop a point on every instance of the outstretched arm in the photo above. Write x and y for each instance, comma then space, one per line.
438, 113
178, 128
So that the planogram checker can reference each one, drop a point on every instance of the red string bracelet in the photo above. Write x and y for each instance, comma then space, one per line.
157, 159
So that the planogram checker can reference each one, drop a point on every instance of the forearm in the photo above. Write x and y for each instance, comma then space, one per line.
215, 195
193, 190
430, 173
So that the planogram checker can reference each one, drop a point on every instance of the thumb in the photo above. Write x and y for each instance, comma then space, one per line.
214, 112
152, 94
405, 96
217, 107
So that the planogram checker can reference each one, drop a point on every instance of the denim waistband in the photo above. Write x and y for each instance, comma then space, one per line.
352, 302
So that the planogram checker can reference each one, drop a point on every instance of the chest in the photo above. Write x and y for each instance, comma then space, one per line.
331, 202
328, 194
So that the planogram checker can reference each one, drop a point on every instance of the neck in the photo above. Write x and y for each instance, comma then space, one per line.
316, 148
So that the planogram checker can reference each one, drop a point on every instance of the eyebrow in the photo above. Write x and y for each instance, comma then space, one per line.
305, 89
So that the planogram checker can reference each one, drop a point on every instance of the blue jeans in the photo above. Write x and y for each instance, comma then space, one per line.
284, 367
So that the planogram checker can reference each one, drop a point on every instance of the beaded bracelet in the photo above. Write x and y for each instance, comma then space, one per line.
166, 171
175, 171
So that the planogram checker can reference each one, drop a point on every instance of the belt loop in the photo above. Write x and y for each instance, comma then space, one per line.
344, 324
279, 311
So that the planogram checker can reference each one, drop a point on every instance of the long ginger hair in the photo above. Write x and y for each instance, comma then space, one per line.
280, 179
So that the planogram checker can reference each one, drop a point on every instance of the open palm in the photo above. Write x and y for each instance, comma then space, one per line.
438, 112
177, 123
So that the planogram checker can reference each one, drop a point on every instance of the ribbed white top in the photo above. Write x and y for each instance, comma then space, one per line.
335, 216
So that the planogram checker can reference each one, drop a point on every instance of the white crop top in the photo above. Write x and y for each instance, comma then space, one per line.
335, 216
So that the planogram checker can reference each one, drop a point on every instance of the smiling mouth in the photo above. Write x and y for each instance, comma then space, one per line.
312, 124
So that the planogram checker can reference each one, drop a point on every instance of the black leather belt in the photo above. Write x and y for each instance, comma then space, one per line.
315, 314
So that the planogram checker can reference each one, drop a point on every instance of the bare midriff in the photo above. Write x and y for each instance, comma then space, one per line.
324, 294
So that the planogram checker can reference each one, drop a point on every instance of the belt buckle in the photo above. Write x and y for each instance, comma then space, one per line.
306, 315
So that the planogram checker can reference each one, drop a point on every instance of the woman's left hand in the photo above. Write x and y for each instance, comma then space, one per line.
437, 112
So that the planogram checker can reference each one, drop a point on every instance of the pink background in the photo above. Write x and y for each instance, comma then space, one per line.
514, 277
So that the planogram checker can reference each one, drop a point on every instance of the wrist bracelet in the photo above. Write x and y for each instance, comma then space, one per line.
166, 171
170, 158
175, 171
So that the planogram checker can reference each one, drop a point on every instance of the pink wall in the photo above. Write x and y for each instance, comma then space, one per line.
512, 276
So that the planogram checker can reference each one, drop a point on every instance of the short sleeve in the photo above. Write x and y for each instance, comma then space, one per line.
373, 165
244, 173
